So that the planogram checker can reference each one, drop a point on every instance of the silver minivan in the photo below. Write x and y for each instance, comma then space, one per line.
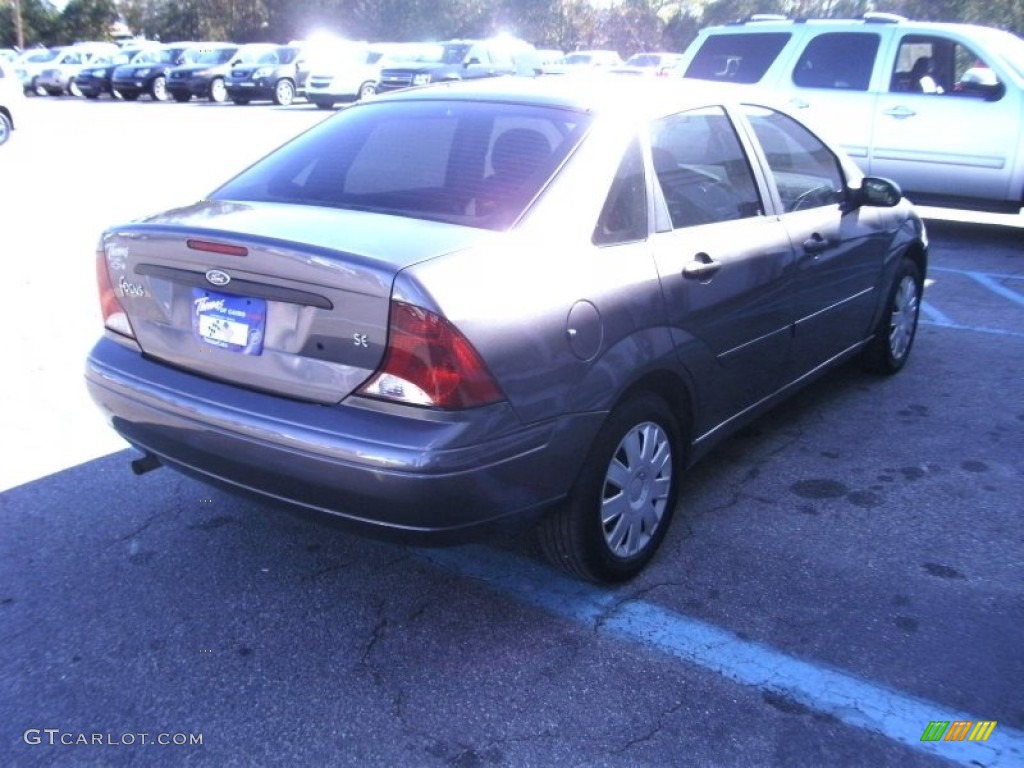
937, 107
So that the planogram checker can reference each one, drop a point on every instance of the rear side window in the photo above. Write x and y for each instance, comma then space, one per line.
473, 163
624, 215
737, 58
842, 60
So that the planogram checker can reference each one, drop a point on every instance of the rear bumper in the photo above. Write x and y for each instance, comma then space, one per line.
426, 479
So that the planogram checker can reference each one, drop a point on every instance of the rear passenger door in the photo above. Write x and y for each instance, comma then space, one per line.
838, 252
725, 267
830, 86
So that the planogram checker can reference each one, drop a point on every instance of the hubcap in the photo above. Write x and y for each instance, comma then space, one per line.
636, 489
904, 318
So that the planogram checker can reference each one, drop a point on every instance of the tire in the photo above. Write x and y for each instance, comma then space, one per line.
890, 346
366, 90
158, 90
622, 502
5, 128
73, 89
284, 93
181, 98
218, 91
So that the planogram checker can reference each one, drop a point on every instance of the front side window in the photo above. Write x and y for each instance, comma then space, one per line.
939, 66
471, 163
841, 60
737, 58
702, 169
806, 172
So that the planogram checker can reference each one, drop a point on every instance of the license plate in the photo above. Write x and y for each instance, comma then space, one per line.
234, 323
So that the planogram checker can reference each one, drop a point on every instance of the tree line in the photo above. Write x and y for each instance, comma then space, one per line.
627, 26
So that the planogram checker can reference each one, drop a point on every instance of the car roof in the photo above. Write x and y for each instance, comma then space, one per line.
602, 93
869, 21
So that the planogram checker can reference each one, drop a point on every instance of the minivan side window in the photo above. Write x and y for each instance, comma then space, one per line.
837, 60
737, 58
806, 172
702, 169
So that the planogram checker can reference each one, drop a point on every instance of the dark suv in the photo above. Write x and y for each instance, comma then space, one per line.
452, 60
147, 73
204, 76
277, 74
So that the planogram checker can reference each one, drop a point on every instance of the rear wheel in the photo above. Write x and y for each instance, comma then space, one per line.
159, 89
5, 128
284, 93
218, 91
888, 350
622, 502
73, 88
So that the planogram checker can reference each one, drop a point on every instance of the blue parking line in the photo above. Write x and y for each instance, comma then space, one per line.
853, 700
988, 282
935, 317
993, 275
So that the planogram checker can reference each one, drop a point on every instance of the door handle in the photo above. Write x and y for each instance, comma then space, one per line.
900, 113
815, 244
702, 268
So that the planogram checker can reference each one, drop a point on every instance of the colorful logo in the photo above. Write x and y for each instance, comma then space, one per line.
958, 730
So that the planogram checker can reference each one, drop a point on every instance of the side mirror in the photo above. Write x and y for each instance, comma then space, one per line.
875, 191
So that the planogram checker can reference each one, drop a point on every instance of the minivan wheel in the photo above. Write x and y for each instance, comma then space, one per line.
366, 90
888, 350
5, 128
622, 502
284, 93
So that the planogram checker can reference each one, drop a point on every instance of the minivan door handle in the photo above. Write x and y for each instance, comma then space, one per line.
900, 113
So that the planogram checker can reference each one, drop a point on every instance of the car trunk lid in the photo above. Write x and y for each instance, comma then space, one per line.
288, 299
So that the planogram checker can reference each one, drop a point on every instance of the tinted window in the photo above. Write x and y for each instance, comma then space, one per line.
737, 58
470, 163
806, 172
624, 215
837, 60
702, 169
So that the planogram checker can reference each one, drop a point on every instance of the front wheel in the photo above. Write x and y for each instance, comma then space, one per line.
218, 91
73, 89
284, 93
366, 90
620, 506
889, 348
159, 89
5, 128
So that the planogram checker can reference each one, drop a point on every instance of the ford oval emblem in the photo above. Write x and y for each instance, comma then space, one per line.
218, 277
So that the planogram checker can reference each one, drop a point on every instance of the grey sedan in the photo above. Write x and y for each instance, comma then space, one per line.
501, 303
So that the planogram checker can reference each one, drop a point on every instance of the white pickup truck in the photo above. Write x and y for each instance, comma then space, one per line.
939, 108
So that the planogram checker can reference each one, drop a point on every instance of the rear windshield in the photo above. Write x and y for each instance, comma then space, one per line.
473, 163
737, 58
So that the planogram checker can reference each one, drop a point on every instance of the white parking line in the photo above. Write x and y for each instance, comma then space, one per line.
854, 701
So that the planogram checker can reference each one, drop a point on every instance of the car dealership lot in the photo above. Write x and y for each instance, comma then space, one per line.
868, 529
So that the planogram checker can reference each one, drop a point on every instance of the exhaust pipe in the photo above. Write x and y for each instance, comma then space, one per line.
147, 463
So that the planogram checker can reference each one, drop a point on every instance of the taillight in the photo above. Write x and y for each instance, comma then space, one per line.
428, 362
114, 316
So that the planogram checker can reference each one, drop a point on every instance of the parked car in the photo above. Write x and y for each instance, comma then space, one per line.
350, 74
454, 60
11, 100
147, 74
203, 77
579, 62
649, 64
95, 80
60, 78
496, 302
275, 73
31, 64
937, 107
